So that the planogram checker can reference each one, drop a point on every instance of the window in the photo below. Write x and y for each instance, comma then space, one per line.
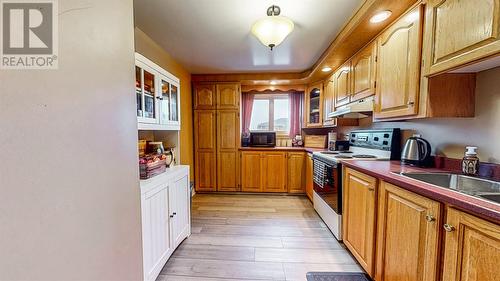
271, 113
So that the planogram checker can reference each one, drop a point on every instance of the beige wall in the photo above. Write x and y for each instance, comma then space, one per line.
70, 198
150, 49
449, 136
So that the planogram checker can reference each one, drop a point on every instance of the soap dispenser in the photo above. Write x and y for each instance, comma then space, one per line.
470, 162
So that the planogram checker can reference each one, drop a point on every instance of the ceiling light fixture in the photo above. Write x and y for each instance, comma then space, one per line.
273, 29
326, 69
380, 16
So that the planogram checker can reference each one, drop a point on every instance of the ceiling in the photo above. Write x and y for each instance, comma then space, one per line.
213, 36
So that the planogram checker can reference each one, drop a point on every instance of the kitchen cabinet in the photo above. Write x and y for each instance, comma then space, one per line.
309, 176
458, 32
358, 219
296, 172
228, 139
362, 75
472, 248
328, 101
341, 85
407, 235
217, 136
398, 67
165, 214
251, 171
314, 106
263, 171
205, 150
157, 96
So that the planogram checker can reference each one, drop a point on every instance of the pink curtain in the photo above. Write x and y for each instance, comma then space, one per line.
296, 99
247, 104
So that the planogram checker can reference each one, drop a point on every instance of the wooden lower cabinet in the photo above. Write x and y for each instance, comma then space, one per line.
359, 204
309, 176
296, 172
251, 171
472, 248
407, 235
274, 172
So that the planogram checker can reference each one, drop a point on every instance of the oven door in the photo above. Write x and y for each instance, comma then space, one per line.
330, 190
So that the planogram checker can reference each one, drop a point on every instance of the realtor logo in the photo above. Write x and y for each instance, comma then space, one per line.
28, 34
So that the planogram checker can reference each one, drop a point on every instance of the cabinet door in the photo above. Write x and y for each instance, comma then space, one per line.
274, 172
314, 105
157, 245
204, 96
309, 177
179, 209
296, 170
363, 73
228, 96
341, 85
472, 248
147, 94
205, 150
398, 67
228, 140
328, 101
407, 237
251, 171
359, 217
459, 32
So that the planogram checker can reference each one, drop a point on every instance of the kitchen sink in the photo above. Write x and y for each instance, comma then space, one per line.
479, 187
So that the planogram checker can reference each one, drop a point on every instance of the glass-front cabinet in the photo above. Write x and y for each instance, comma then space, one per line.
157, 96
314, 106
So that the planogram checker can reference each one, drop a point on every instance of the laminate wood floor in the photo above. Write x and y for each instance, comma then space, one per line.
255, 237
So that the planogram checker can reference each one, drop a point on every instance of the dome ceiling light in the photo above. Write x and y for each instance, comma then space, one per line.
273, 29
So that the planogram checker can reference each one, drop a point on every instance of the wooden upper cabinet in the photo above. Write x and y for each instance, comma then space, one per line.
398, 67
363, 73
228, 140
274, 172
204, 96
341, 85
314, 106
358, 217
472, 248
251, 171
309, 176
458, 32
328, 101
407, 237
296, 172
228, 96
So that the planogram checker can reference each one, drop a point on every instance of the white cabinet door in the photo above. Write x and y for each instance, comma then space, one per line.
179, 204
157, 245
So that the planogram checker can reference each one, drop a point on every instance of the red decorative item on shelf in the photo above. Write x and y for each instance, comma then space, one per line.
151, 165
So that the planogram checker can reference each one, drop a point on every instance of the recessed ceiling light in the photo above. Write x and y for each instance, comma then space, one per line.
274, 82
326, 69
380, 16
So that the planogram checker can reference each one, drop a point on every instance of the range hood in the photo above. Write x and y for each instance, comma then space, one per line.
360, 109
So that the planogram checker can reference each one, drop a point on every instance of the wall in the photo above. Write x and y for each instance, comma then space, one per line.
449, 136
150, 49
70, 198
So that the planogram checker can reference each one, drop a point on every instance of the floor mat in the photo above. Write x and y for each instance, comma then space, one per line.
336, 276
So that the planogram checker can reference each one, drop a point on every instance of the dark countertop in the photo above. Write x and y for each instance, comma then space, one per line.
283, 148
386, 170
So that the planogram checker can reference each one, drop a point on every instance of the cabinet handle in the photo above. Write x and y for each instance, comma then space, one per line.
160, 98
430, 218
171, 216
448, 227
411, 103
175, 213
371, 189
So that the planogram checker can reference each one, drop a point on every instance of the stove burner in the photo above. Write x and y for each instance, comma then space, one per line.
343, 156
329, 152
364, 156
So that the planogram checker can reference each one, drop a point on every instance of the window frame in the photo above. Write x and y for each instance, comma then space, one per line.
271, 98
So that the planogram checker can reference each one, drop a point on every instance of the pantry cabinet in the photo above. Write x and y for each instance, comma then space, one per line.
204, 96
166, 217
472, 248
358, 219
296, 172
398, 67
157, 96
458, 32
228, 96
228, 139
407, 235
205, 150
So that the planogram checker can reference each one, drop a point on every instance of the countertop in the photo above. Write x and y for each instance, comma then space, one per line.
283, 148
388, 171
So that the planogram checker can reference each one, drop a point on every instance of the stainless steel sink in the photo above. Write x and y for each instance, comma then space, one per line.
483, 188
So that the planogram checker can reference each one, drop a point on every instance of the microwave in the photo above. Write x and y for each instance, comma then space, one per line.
263, 139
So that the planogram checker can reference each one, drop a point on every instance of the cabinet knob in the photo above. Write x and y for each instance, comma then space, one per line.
430, 218
175, 213
371, 189
171, 216
449, 227
411, 103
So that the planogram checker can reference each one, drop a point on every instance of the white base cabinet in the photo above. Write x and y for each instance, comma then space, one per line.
166, 217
